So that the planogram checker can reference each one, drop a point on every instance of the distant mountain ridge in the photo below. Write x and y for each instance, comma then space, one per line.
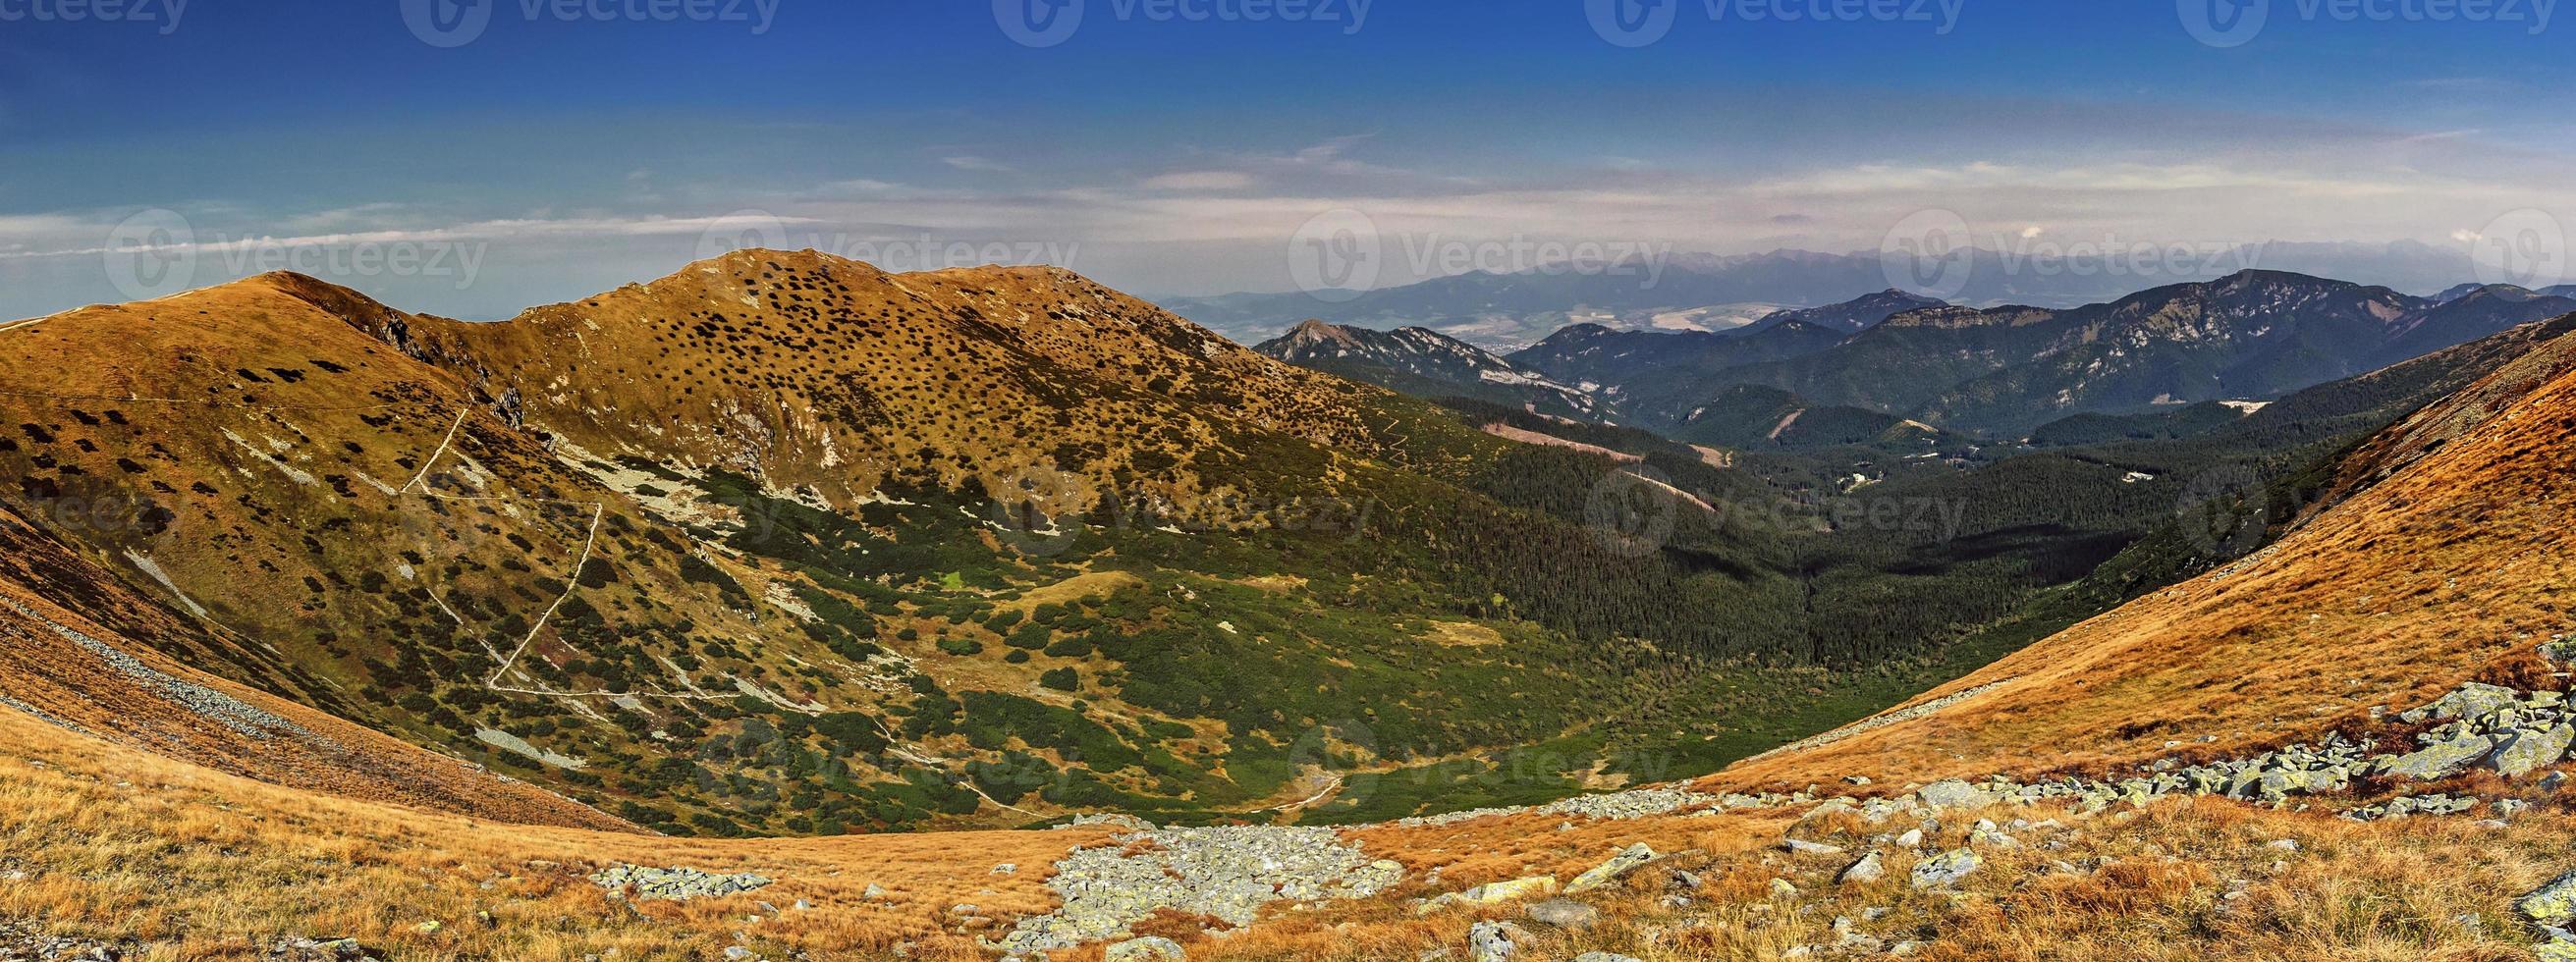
1423, 362
1855, 315
1508, 311
2006, 370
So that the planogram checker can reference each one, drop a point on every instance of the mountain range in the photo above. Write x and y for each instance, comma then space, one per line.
1888, 359
1705, 292
340, 631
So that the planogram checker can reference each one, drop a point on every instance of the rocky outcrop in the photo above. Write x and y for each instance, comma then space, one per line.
1229, 874
1612, 806
673, 884
1492, 893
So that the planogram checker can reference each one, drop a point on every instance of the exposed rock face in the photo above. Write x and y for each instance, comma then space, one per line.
1229, 874
674, 884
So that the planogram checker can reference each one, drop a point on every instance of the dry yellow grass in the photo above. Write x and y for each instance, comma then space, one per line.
118, 844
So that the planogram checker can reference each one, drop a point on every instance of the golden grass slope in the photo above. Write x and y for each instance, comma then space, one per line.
812, 371
347, 523
2454, 566
182, 863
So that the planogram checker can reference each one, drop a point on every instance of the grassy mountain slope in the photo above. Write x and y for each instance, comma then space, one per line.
2437, 566
982, 564
2445, 569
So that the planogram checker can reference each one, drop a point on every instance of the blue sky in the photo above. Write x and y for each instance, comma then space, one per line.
1177, 147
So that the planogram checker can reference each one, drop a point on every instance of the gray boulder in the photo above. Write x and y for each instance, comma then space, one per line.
1952, 794
1946, 868
2442, 759
1869, 869
1618, 866
2470, 701
2553, 904
1802, 847
1492, 941
1147, 949
1564, 914
2525, 750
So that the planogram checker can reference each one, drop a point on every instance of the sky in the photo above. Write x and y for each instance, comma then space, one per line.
476, 157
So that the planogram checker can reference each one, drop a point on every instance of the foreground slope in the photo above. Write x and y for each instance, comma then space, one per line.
2443, 561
